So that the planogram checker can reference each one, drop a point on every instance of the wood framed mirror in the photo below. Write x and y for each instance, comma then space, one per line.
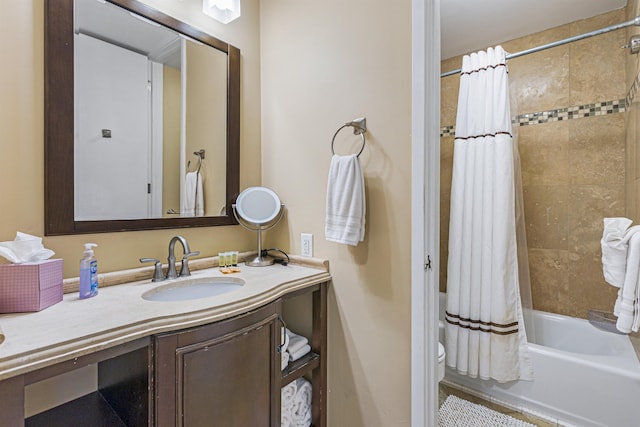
66, 170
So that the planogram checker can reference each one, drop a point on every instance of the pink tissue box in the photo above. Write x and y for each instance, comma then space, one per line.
30, 286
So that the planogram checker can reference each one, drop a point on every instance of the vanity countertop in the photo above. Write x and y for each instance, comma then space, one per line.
118, 314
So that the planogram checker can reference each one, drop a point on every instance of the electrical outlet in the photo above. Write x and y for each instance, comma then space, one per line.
306, 244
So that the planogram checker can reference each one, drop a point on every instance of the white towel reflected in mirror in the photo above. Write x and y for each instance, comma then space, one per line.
192, 198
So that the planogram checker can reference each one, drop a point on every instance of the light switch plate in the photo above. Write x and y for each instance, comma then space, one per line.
306, 244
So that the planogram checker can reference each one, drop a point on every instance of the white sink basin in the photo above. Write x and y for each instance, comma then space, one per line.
189, 289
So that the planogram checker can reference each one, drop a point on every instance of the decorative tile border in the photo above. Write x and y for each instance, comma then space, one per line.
448, 131
568, 113
579, 112
561, 114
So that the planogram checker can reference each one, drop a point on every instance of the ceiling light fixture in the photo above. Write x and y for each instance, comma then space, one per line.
224, 11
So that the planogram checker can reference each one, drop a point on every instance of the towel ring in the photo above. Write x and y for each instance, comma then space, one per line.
359, 128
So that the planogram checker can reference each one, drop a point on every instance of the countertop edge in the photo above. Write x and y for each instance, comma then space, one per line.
28, 362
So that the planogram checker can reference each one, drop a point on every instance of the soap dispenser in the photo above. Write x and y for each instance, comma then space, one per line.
88, 272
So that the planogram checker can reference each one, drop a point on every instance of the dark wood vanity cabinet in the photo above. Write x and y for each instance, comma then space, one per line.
222, 374
228, 374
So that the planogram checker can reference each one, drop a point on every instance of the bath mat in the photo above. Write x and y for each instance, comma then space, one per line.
456, 412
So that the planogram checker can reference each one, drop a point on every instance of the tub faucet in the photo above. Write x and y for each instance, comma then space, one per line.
184, 269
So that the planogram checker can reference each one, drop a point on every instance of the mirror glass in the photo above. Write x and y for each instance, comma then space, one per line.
129, 98
258, 205
152, 108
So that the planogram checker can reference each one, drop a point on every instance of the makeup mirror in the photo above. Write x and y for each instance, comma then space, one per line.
258, 209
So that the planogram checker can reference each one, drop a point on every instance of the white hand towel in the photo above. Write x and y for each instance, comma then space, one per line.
293, 356
284, 336
614, 250
296, 342
346, 206
626, 307
192, 202
635, 327
302, 403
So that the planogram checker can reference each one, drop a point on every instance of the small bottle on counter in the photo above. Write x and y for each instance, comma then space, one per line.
88, 272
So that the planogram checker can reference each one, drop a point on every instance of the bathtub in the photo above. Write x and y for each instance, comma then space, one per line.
583, 376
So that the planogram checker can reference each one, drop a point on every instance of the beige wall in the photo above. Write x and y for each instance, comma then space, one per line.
207, 121
323, 64
573, 171
171, 140
21, 144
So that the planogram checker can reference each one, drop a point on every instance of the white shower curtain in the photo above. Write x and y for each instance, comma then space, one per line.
484, 326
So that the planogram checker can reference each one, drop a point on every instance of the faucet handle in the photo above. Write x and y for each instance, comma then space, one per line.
157, 274
184, 270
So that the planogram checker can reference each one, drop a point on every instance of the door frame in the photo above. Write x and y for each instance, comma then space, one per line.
425, 211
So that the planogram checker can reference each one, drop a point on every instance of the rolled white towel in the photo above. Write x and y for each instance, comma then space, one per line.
293, 356
296, 342
614, 250
286, 419
302, 403
287, 394
284, 360
287, 404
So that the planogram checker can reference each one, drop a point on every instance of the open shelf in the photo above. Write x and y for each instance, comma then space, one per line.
122, 398
89, 410
305, 364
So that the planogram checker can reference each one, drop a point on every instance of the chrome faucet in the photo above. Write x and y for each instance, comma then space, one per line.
158, 275
184, 269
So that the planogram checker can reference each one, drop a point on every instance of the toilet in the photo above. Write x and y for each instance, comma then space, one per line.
440, 362
441, 306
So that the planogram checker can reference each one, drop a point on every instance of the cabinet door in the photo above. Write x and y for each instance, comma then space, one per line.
224, 374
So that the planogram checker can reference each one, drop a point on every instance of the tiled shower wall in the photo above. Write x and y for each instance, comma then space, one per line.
571, 135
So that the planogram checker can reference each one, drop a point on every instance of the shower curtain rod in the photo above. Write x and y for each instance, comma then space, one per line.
614, 27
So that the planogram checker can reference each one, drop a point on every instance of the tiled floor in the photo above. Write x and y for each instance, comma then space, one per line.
445, 390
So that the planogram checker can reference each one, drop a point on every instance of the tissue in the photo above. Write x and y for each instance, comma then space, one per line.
25, 248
